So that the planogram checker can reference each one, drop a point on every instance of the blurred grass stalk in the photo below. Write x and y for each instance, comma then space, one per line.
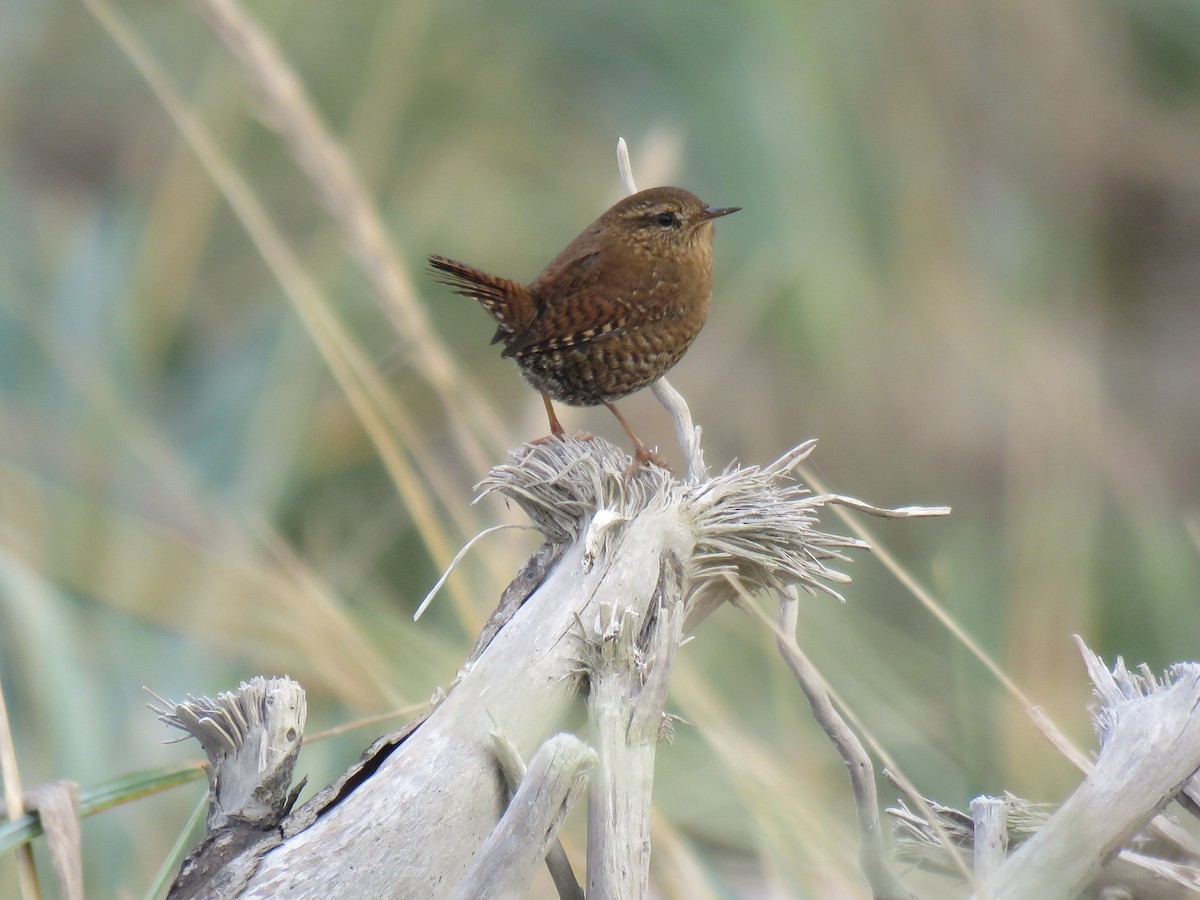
390, 427
14, 801
333, 176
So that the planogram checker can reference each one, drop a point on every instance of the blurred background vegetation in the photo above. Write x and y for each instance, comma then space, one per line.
969, 263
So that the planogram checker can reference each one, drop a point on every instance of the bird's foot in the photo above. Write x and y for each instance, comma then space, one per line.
643, 455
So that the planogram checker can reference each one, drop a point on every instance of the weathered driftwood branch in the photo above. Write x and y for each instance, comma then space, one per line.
612, 536
409, 819
989, 821
252, 738
627, 691
557, 861
1098, 840
549, 789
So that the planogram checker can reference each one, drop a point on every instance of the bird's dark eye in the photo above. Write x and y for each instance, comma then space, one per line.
666, 219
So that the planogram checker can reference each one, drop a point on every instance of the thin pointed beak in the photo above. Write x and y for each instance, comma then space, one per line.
710, 213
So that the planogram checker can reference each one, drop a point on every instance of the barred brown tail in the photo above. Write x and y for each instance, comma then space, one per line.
509, 302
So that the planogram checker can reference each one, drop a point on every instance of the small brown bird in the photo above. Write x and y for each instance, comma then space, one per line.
614, 311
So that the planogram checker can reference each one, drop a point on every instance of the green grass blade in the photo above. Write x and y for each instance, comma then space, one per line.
124, 789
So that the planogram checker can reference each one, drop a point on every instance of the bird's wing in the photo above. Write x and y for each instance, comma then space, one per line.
578, 301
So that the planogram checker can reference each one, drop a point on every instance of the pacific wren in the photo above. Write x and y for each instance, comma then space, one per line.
611, 313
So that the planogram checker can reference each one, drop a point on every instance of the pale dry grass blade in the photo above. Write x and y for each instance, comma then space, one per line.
1043, 723
14, 801
326, 164
765, 781
361, 385
57, 805
403, 712
678, 869
466, 548
224, 594
860, 730
186, 198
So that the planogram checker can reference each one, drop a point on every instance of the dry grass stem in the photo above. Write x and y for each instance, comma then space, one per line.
14, 801
291, 113
857, 728
687, 433
57, 805
378, 412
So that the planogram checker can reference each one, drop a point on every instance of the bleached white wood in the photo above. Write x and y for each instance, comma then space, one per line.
1151, 748
442, 783
252, 738
989, 815
625, 705
408, 819
557, 861
514, 851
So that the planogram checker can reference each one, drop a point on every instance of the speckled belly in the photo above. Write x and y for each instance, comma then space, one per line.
609, 368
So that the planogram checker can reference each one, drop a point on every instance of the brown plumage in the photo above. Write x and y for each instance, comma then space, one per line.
611, 313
